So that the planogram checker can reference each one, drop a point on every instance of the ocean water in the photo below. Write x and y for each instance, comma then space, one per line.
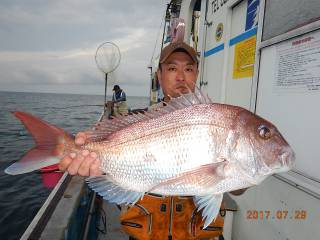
22, 196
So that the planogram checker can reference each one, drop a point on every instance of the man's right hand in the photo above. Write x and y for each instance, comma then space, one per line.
83, 163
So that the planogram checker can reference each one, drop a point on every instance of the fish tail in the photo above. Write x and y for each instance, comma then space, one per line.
52, 144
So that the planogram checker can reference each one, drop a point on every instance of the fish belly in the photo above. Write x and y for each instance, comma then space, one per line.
149, 160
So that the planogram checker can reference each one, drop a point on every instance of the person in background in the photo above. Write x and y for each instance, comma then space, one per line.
119, 101
172, 217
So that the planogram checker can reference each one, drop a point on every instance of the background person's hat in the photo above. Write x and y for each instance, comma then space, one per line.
115, 87
178, 47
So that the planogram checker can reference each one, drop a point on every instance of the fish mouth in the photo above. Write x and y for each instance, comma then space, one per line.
287, 158
285, 162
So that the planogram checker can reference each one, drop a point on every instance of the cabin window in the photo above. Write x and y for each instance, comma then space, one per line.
285, 15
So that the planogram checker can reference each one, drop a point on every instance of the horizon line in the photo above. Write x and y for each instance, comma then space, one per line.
92, 94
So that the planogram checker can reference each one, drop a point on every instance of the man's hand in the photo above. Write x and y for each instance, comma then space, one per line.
84, 163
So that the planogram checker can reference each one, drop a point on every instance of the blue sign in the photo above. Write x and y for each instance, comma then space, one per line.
252, 14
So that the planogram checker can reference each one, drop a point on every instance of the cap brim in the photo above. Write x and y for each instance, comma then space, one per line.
177, 47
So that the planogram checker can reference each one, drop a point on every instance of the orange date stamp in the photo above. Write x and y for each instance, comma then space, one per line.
276, 214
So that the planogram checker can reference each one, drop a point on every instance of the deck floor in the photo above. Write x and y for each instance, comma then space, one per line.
112, 223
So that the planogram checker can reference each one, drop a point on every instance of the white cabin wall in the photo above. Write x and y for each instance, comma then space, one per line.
202, 39
186, 13
218, 61
202, 24
216, 75
214, 55
238, 89
275, 195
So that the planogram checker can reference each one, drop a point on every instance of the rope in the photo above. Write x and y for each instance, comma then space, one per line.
160, 28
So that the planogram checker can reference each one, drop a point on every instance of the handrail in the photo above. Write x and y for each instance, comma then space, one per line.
36, 227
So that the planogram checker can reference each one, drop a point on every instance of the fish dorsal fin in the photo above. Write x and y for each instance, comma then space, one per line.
210, 205
203, 98
189, 99
112, 192
104, 128
185, 100
108, 126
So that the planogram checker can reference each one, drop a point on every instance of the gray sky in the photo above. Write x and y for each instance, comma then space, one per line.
49, 46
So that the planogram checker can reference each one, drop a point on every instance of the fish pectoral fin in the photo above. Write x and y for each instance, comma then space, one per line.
205, 175
210, 205
110, 191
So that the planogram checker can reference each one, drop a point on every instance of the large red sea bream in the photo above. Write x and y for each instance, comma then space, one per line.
189, 147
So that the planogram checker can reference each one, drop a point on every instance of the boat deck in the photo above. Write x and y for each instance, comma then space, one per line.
113, 227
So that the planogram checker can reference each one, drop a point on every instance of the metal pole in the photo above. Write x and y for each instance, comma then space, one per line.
88, 217
164, 27
105, 93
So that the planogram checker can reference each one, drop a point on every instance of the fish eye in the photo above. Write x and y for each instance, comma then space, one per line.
264, 132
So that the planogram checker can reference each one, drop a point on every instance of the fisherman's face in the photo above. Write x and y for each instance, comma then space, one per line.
178, 75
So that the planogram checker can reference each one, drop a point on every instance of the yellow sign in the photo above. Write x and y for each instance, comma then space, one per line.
244, 58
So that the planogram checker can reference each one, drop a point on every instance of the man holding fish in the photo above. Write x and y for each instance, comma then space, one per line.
187, 147
177, 74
